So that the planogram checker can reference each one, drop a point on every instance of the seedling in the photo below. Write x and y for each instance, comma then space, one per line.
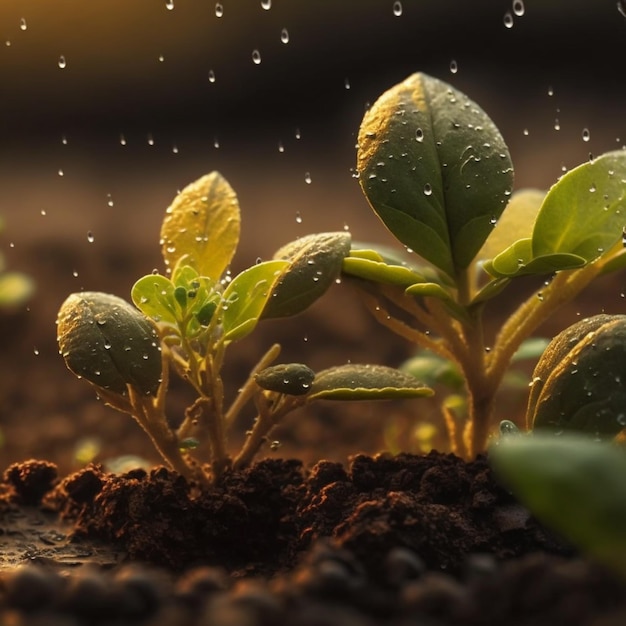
185, 320
436, 170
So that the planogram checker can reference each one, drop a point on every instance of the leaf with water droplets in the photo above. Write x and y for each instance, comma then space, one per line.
107, 341
579, 382
246, 296
581, 218
366, 382
572, 484
315, 263
202, 224
438, 190
154, 296
289, 378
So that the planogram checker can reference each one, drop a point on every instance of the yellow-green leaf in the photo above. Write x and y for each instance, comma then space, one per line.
203, 224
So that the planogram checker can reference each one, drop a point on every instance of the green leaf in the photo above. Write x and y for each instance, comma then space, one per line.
289, 378
315, 263
433, 369
572, 484
531, 348
366, 382
380, 272
435, 169
246, 296
107, 341
154, 296
202, 224
516, 222
584, 213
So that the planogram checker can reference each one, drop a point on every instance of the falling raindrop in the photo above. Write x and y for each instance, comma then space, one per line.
397, 8
122, 140
298, 218
175, 149
61, 172
216, 143
284, 35
266, 4
219, 9
90, 237
75, 273
281, 147
169, 5
518, 7
621, 7
256, 57
298, 134
211, 76
586, 134
508, 19
307, 178
150, 140
110, 200
7, 43
64, 140
557, 124
161, 58
550, 90
454, 66
525, 132
43, 212
346, 83
23, 25
62, 62
36, 351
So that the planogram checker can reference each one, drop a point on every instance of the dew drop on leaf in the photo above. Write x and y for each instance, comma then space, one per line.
508, 19
256, 57
219, 9
518, 7
62, 63
397, 8
419, 135
284, 35
428, 190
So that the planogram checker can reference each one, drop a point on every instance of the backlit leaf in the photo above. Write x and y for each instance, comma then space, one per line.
203, 224
154, 296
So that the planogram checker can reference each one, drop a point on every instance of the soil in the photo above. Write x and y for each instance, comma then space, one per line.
313, 534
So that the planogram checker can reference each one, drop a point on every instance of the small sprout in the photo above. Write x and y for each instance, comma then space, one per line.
293, 379
109, 342
438, 173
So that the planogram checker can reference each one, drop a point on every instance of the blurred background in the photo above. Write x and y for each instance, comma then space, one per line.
108, 108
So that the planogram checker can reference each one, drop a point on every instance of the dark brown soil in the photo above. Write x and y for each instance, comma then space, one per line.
387, 540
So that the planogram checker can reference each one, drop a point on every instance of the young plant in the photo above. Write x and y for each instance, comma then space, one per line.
185, 320
436, 170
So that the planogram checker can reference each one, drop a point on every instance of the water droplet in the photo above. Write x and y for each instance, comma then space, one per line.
161, 58
298, 134
550, 90
43, 212
557, 124
62, 63
90, 237
593, 188
7, 43
175, 149
216, 143
307, 178
23, 25
122, 140
281, 148
219, 9
586, 134
428, 190
397, 9
346, 83
508, 19
150, 140
64, 140
61, 172
36, 351
454, 66
419, 135
256, 57
493, 220
109, 200
284, 35
266, 4
169, 5
525, 132
75, 273
211, 76
298, 218
518, 7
